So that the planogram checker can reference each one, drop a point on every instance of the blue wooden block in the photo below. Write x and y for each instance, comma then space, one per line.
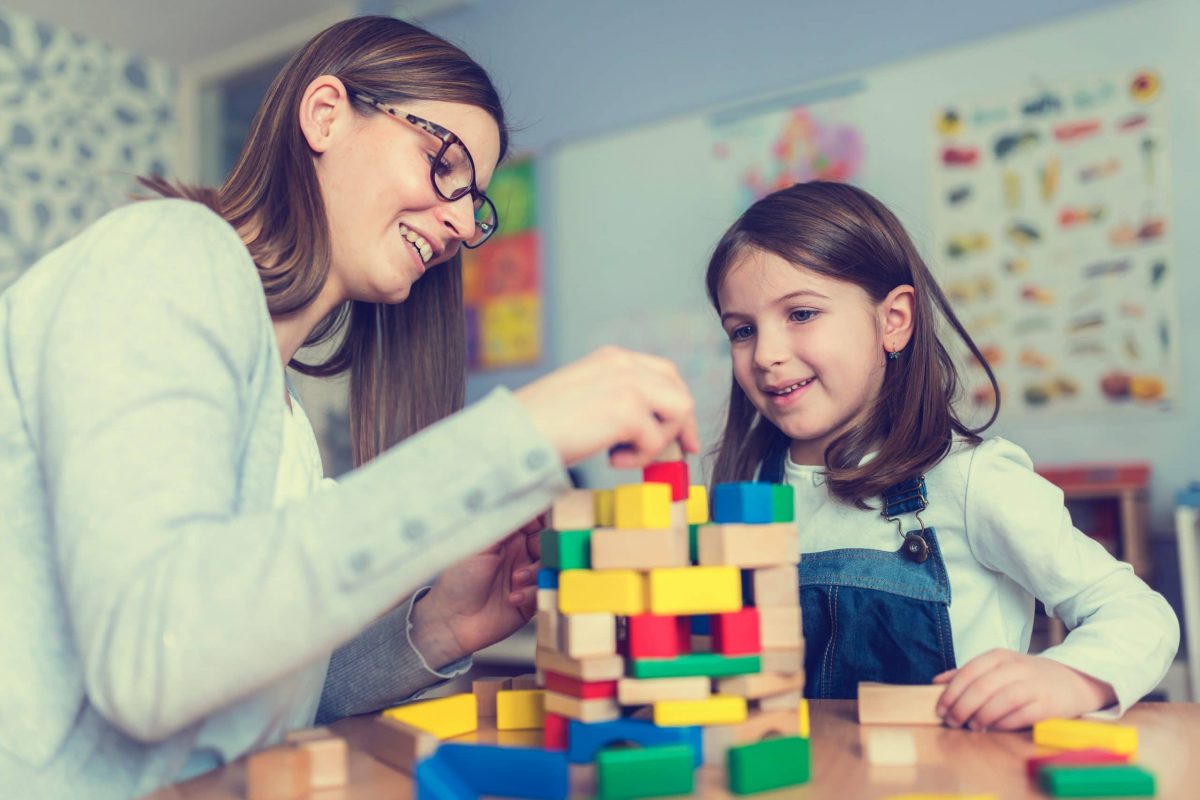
547, 578
742, 502
436, 780
488, 769
701, 625
585, 740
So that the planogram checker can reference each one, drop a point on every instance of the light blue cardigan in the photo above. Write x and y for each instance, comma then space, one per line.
147, 581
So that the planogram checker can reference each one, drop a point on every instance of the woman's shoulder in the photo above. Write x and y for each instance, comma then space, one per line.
181, 227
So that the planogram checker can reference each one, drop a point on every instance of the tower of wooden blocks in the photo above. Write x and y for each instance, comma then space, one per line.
659, 627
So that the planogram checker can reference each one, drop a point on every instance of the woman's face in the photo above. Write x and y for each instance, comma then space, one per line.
388, 225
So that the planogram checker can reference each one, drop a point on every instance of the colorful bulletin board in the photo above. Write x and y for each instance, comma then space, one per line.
502, 280
1052, 216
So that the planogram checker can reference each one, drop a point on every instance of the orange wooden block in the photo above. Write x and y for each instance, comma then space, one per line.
599, 668
281, 773
548, 627
327, 756
887, 704
574, 511
775, 586
397, 744
746, 546
647, 691
485, 690
783, 660
602, 709
587, 635
614, 548
780, 627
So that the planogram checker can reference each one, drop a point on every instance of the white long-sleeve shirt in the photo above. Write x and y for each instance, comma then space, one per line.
1007, 538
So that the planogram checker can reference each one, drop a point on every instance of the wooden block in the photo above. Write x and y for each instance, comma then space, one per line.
566, 550
644, 772
1111, 780
769, 764
805, 724
603, 668
547, 599
554, 732
783, 660
644, 692
783, 503
707, 664
781, 627
643, 505
694, 590
549, 628
655, 636
672, 473
737, 632
889, 747
672, 452
444, 717
774, 586
748, 546
599, 710
887, 704
574, 511
586, 740
396, 744
327, 756
584, 690
521, 709
528, 680
281, 773
779, 702
742, 502
763, 684
679, 516
714, 710
485, 690
617, 591
613, 548
759, 725
1091, 757
605, 507
492, 770
1078, 734
697, 505
584, 635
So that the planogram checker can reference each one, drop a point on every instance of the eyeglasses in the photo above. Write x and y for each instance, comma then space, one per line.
451, 171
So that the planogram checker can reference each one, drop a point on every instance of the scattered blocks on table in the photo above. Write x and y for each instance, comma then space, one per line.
694, 590
600, 668
584, 690
658, 636
280, 773
444, 717
567, 550
748, 546
742, 502
617, 591
737, 632
584, 635
585, 741
1112, 780
889, 747
605, 507
327, 756
518, 710
888, 704
1077, 758
601, 709
711, 664
644, 772
697, 505
615, 548
574, 511
769, 764
773, 586
1078, 734
640, 506
781, 627
672, 473
714, 710
644, 692
397, 744
495, 771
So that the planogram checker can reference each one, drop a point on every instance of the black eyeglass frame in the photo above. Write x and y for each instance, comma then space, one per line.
448, 139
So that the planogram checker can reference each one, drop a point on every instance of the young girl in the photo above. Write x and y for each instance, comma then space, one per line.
924, 545
176, 581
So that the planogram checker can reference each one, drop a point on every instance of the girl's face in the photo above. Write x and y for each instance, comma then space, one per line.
374, 172
808, 350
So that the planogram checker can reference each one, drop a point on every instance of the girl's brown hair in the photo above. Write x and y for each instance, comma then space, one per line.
406, 361
843, 232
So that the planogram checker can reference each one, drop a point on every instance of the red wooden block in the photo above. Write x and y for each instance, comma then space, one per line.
654, 636
1073, 758
683, 635
737, 632
554, 731
584, 690
674, 473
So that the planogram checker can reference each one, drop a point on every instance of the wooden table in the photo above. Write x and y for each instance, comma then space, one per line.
949, 761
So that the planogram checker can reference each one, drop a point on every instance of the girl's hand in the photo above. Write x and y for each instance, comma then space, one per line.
1003, 690
613, 397
480, 600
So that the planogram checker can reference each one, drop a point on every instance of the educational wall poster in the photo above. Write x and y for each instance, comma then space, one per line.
1052, 224
502, 280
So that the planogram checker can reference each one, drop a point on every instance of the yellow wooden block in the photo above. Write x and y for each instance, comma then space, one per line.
520, 710
804, 721
697, 505
605, 507
617, 591
1078, 734
643, 505
715, 710
693, 590
444, 717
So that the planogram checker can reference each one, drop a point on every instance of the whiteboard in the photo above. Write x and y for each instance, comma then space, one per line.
636, 214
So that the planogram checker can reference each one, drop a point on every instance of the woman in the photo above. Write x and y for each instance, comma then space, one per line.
178, 578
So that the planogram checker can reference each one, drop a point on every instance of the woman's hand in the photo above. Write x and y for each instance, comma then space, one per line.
613, 398
1003, 690
480, 600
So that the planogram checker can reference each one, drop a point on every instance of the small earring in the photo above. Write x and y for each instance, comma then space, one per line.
892, 354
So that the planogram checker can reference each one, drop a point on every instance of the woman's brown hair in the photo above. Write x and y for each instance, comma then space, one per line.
406, 361
842, 232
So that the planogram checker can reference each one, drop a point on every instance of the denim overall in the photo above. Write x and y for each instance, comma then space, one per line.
874, 615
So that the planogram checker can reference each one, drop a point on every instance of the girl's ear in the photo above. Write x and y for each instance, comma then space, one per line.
324, 109
896, 315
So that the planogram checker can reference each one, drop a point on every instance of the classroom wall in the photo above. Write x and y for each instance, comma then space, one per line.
79, 119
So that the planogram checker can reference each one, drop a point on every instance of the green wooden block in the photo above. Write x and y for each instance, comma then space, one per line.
567, 549
694, 544
645, 771
770, 764
1112, 780
710, 664
783, 503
